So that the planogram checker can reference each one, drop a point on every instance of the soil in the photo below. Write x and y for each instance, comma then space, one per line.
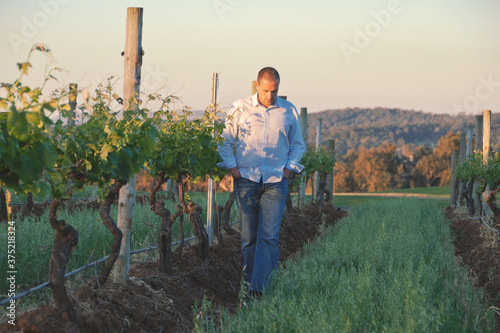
479, 250
155, 302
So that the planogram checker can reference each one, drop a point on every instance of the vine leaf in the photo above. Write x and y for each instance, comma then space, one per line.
24, 66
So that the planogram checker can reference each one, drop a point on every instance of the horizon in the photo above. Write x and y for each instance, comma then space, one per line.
411, 55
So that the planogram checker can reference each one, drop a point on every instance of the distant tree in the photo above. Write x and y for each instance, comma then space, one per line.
420, 152
343, 179
374, 168
428, 171
446, 145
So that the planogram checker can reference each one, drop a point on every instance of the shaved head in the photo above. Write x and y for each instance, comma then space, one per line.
269, 72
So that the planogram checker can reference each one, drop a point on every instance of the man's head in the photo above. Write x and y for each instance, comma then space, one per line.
268, 82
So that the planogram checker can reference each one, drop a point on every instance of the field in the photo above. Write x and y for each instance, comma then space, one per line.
369, 249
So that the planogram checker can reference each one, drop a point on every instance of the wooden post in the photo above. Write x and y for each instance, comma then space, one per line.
478, 143
461, 157
73, 88
210, 194
319, 123
453, 180
486, 144
254, 87
478, 146
131, 89
470, 136
329, 178
303, 185
486, 135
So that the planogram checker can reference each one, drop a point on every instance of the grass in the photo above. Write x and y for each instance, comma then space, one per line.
361, 200
443, 191
34, 239
387, 267
440, 194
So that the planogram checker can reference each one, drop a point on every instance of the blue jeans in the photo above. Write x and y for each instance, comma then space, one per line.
261, 209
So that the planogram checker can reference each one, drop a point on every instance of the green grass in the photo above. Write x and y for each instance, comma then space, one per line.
361, 200
388, 267
356, 200
443, 191
34, 239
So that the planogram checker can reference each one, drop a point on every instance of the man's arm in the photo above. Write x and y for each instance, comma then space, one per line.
296, 147
226, 150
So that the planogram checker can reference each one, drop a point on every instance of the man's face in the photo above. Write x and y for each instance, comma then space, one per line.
267, 90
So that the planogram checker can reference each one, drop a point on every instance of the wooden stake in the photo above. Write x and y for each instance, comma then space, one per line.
486, 135
210, 197
470, 135
303, 185
319, 123
461, 184
254, 87
126, 201
478, 146
453, 180
486, 144
330, 175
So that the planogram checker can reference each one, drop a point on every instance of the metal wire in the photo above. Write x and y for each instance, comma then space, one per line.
92, 264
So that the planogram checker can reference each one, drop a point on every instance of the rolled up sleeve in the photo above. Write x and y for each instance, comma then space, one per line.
296, 146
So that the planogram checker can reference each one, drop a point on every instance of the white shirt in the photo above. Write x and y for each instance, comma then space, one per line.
265, 140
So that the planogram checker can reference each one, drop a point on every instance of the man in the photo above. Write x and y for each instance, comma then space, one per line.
263, 146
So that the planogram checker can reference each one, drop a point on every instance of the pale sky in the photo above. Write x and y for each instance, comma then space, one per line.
433, 56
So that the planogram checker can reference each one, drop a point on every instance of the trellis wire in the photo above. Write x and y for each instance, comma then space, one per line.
92, 264
487, 225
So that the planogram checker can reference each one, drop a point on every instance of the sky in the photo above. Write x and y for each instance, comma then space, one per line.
431, 56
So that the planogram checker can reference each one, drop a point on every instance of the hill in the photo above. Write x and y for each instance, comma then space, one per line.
355, 127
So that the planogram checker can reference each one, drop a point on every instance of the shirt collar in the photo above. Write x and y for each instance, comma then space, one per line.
255, 101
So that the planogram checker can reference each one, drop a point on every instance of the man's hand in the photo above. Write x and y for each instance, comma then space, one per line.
287, 173
235, 173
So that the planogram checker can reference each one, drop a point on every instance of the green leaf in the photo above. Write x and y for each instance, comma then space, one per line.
24, 66
41, 47
18, 125
91, 146
106, 149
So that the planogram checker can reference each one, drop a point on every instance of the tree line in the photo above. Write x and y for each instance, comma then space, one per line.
384, 168
352, 128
